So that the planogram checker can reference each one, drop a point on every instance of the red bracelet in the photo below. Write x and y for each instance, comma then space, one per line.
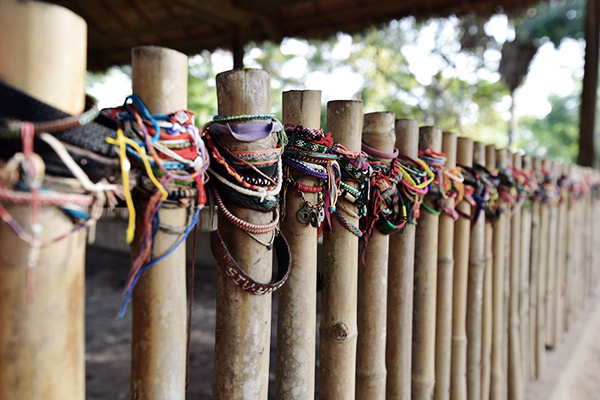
307, 188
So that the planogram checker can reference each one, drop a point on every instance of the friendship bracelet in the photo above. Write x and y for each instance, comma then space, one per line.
261, 193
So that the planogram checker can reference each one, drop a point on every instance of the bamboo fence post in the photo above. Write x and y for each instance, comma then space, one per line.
487, 309
477, 263
590, 243
243, 326
159, 314
571, 255
504, 160
498, 378
337, 368
426, 245
462, 234
445, 267
42, 342
561, 257
398, 351
576, 246
584, 245
534, 263
378, 132
579, 249
575, 250
515, 377
551, 268
526, 227
541, 287
297, 302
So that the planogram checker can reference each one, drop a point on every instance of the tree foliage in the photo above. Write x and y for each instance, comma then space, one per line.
556, 134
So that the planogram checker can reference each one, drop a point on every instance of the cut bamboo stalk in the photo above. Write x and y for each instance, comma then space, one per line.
398, 350
524, 280
337, 368
42, 342
541, 287
378, 132
506, 155
243, 326
561, 261
534, 262
498, 378
551, 271
462, 233
424, 303
571, 253
297, 302
577, 288
487, 309
477, 264
589, 241
445, 267
158, 347
580, 250
33, 31
515, 366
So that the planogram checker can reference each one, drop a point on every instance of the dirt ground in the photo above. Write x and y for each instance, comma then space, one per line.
572, 373
108, 340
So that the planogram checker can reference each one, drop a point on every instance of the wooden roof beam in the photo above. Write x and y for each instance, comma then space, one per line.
222, 9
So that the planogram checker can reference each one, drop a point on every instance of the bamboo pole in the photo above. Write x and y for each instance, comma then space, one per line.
378, 132
589, 242
426, 237
534, 262
297, 302
498, 377
338, 330
158, 349
462, 233
571, 253
445, 267
477, 264
243, 326
507, 157
526, 228
515, 377
551, 271
42, 342
541, 287
561, 263
579, 249
487, 309
398, 352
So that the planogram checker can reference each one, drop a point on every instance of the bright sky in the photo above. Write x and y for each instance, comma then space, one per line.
553, 71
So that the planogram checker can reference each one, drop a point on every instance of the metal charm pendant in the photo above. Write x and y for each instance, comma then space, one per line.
304, 215
318, 217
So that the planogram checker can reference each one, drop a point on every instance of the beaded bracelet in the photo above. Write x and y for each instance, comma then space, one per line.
243, 225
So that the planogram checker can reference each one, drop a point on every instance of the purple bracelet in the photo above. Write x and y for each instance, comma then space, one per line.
301, 168
376, 153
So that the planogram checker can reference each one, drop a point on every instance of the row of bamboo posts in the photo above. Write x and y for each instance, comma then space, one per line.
444, 309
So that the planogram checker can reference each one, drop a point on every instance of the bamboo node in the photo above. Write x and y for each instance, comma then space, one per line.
340, 331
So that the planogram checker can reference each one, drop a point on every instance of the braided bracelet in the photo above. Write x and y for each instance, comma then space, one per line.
347, 224
243, 280
243, 225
